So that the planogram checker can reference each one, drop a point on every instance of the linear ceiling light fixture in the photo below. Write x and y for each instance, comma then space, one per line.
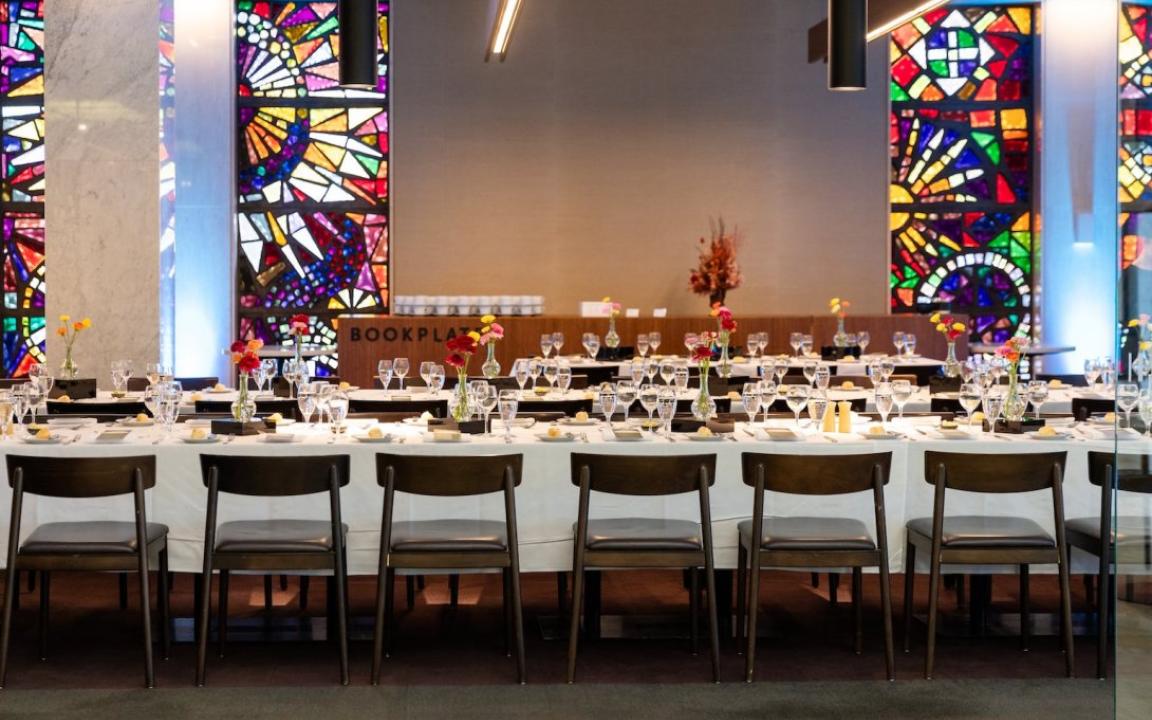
884, 16
359, 31
847, 44
887, 26
502, 30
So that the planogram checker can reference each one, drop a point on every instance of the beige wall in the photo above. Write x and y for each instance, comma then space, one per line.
590, 161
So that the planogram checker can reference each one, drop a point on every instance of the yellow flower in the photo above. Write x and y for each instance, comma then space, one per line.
65, 319
958, 326
486, 328
474, 335
607, 298
934, 317
488, 319
86, 322
834, 301
1131, 323
941, 327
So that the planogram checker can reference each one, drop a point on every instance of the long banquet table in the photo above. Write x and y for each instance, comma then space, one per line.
546, 501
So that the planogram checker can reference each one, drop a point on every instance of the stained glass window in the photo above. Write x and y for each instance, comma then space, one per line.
312, 170
22, 183
1134, 172
962, 162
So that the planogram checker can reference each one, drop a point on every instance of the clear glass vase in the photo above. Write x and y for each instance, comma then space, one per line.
951, 364
491, 366
244, 406
840, 339
69, 369
612, 338
724, 367
1015, 404
460, 411
703, 407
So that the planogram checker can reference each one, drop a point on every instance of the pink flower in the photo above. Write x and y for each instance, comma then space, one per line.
497, 331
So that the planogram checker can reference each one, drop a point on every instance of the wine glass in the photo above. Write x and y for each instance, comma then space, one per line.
121, 371
488, 398
667, 371
509, 403
33, 395
520, 372
269, 365
666, 408
901, 393
295, 372
546, 345
817, 406
153, 371
768, 393
639, 369
691, 340
762, 342
626, 391
796, 340
1108, 374
970, 396
651, 369
400, 366
384, 372
551, 369
909, 344
680, 378
806, 344
534, 372
592, 345
993, 403
810, 371
564, 378
823, 375
557, 342
780, 368
654, 339
337, 410
642, 344
426, 371
1145, 409
1037, 394
1127, 395
750, 396
887, 368
436, 379
306, 401
884, 400
862, 339
753, 345
649, 398
607, 402
898, 341
797, 399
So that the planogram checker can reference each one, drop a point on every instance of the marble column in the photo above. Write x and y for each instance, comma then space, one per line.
102, 117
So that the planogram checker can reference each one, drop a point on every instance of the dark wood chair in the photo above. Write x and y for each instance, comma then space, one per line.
567, 407
1130, 535
264, 406
947, 405
1070, 380
94, 409
383, 417
989, 540
194, 384
448, 544
617, 543
813, 542
279, 545
88, 546
437, 408
1084, 408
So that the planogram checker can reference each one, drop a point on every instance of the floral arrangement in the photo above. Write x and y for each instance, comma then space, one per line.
491, 332
702, 356
948, 326
1012, 352
717, 271
839, 307
297, 328
244, 355
613, 307
70, 330
461, 348
1143, 327
725, 326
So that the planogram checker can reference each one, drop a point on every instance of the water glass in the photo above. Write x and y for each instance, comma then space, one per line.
534, 370
993, 403
750, 396
1145, 411
520, 372
564, 378
637, 371
269, 367
649, 398
817, 406
488, 399
810, 371
1127, 395
642, 344
509, 403
384, 372
862, 339
884, 400
426, 372
823, 375
970, 397
806, 344
797, 399
667, 371
680, 378
607, 402
768, 394
780, 368
551, 368
557, 342
337, 410
306, 401
909, 344
1091, 371
796, 340
546, 344
654, 339
400, 367
1037, 394
592, 345
626, 392
901, 393
691, 340
898, 341
436, 379
666, 408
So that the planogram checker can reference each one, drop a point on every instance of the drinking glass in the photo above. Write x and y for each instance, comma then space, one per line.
337, 410
400, 366
768, 393
651, 369
680, 378
19, 404
667, 371
810, 371
817, 406
33, 396
384, 372
753, 345
993, 403
557, 342
551, 368
780, 368
898, 341
436, 379
592, 346
901, 393
1108, 374
691, 340
806, 344
649, 398
607, 402
295, 372
45, 384
477, 389
862, 339
1037, 394
534, 372
909, 344
35, 371
654, 339
153, 371
626, 392
509, 403
269, 366
489, 398
520, 372
638, 370
564, 378
546, 344
970, 396
884, 400
750, 396
823, 375
1127, 395
258, 377
1145, 411
121, 370
967, 370
426, 371
796, 340
797, 399
762, 342
6, 411
887, 367
324, 392
152, 399
642, 344
306, 401
666, 408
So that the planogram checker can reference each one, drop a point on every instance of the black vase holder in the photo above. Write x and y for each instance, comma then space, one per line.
77, 388
830, 352
229, 426
1005, 427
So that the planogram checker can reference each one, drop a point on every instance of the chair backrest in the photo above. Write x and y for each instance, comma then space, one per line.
815, 474
274, 476
91, 409
82, 477
1132, 472
263, 405
567, 407
198, 383
1083, 408
993, 472
447, 475
437, 408
651, 475
383, 417
942, 405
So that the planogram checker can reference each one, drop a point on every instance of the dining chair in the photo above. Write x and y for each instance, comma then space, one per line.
644, 542
1084, 408
86, 545
568, 407
140, 384
448, 544
988, 539
94, 409
1130, 536
278, 545
264, 406
437, 408
803, 543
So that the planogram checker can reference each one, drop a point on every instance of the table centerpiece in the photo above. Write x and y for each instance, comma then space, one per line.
70, 331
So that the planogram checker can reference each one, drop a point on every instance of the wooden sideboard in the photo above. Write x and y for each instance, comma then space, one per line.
364, 339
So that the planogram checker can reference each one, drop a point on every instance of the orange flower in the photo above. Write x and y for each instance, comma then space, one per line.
62, 331
255, 344
77, 326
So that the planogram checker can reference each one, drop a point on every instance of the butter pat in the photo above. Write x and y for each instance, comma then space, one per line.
196, 397
733, 395
554, 432
219, 387
1055, 383
845, 409
1046, 431
876, 430
142, 418
582, 417
704, 431
345, 385
276, 417
43, 434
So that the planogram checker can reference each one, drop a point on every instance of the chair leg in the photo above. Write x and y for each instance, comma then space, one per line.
574, 621
1103, 604
834, 589
410, 591
305, 584
382, 590
517, 623
741, 596
454, 590
886, 608
858, 608
909, 577
146, 618
204, 615
389, 612
267, 593
42, 624
753, 611
1066, 614
123, 578
815, 580
506, 609
1089, 590
342, 615
1025, 613
694, 609
933, 605
222, 623
283, 583
11, 588
713, 620
165, 606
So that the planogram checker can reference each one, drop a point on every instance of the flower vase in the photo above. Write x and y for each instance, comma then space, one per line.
491, 366
612, 338
298, 348
460, 412
951, 364
1015, 405
840, 339
703, 407
244, 407
68, 369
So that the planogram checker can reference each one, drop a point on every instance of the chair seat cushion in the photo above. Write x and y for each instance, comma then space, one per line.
978, 531
809, 533
275, 536
96, 537
449, 536
1128, 530
643, 534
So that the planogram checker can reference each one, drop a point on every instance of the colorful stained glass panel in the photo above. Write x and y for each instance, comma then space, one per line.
22, 153
21, 49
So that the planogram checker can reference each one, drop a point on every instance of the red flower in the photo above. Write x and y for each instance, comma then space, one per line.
238, 347
456, 360
700, 353
464, 344
248, 363
298, 324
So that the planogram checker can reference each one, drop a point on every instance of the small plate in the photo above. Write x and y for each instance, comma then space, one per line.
578, 423
781, 434
218, 391
50, 440
702, 438
955, 434
430, 438
285, 421
133, 422
385, 438
886, 435
1057, 436
276, 438
629, 436
207, 440
112, 436
563, 437
415, 421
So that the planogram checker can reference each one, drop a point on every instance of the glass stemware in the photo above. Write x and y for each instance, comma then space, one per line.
680, 378
667, 371
823, 375
666, 408
1037, 394
607, 402
626, 392
993, 403
534, 372
654, 340
384, 372
691, 340
862, 339
898, 342
436, 379
558, 342
489, 398
400, 367
550, 371
806, 344
337, 410
520, 372
969, 397
34, 395
121, 370
564, 378
884, 399
269, 366
649, 398
591, 345
546, 345
642, 344
306, 401
810, 371
761, 342
508, 403
1145, 409
817, 406
901, 393
1127, 396
295, 372
909, 344
768, 393
426, 371
795, 340
637, 371
797, 398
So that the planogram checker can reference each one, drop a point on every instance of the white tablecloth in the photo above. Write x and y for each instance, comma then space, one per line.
547, 500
